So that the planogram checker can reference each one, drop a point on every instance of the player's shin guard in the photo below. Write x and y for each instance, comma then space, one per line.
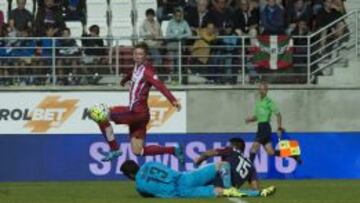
225, 174
156, 149
108, 133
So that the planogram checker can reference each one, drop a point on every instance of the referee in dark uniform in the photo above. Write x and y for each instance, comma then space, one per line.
264, 108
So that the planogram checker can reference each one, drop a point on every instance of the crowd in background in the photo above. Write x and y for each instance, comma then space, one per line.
206, 19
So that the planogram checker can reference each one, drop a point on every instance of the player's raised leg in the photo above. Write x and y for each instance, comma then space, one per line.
101, 115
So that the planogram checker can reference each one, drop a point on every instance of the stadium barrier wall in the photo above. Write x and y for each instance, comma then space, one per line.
77, 157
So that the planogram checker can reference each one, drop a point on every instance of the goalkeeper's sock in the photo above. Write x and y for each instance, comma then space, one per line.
225, 174
108, 133
156, 149
252, 156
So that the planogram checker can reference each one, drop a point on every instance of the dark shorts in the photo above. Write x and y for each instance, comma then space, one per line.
263, 135
137, 121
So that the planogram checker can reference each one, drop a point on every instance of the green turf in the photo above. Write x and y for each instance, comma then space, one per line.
328, 191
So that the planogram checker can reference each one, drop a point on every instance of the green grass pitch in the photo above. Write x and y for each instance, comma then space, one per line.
316, 191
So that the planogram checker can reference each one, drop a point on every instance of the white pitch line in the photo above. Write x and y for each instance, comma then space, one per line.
237, 200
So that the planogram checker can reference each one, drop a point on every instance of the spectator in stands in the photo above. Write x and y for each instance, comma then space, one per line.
230, 43
2, 21
74, 10
45, 52
177, 30
150, 30
272, 19
95, 53
247, 18
3, 70
201, 50
326, 16
339, 6
199, 16
300, 44
68, 51
49, 14
222, 15
296, 11
20, 18
33, 9
317, 6
24, 50
231, 4
166, 8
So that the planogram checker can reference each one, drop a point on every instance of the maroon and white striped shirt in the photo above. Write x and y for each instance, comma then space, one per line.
143, 78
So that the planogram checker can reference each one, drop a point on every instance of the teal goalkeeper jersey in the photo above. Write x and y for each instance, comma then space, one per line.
155, 179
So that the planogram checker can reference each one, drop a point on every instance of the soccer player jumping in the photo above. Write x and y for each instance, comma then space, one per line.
137, 114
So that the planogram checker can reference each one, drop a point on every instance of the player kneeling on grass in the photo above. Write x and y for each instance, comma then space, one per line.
137, 114
242, 169
154, 179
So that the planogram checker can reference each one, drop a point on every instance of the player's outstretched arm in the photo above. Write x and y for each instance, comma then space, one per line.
205, 155
153, 79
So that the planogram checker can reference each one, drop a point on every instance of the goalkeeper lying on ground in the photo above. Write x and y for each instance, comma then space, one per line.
154, 179
242, 169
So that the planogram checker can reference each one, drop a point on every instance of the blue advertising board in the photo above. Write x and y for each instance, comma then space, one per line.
77, 157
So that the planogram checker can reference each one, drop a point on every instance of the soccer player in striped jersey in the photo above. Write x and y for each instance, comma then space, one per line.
137, 114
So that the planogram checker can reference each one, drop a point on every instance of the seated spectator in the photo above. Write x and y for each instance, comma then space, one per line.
177, 30
199, 17
167, 7
222, 15
94, 53
150, 30
272, 19
20, 18
201, 49
229, 50
67, 53
49, 14
24, 50
299, 10
247, 18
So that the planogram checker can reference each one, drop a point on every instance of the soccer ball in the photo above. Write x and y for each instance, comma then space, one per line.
99, 112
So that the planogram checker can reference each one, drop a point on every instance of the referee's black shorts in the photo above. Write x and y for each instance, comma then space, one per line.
263, 135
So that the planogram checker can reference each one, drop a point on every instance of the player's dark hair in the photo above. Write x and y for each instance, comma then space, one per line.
143, 46
129, 169
238, 143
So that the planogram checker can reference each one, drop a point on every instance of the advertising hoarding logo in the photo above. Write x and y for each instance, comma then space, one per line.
51, 113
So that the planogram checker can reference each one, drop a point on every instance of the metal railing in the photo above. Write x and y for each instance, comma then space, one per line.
227, 60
